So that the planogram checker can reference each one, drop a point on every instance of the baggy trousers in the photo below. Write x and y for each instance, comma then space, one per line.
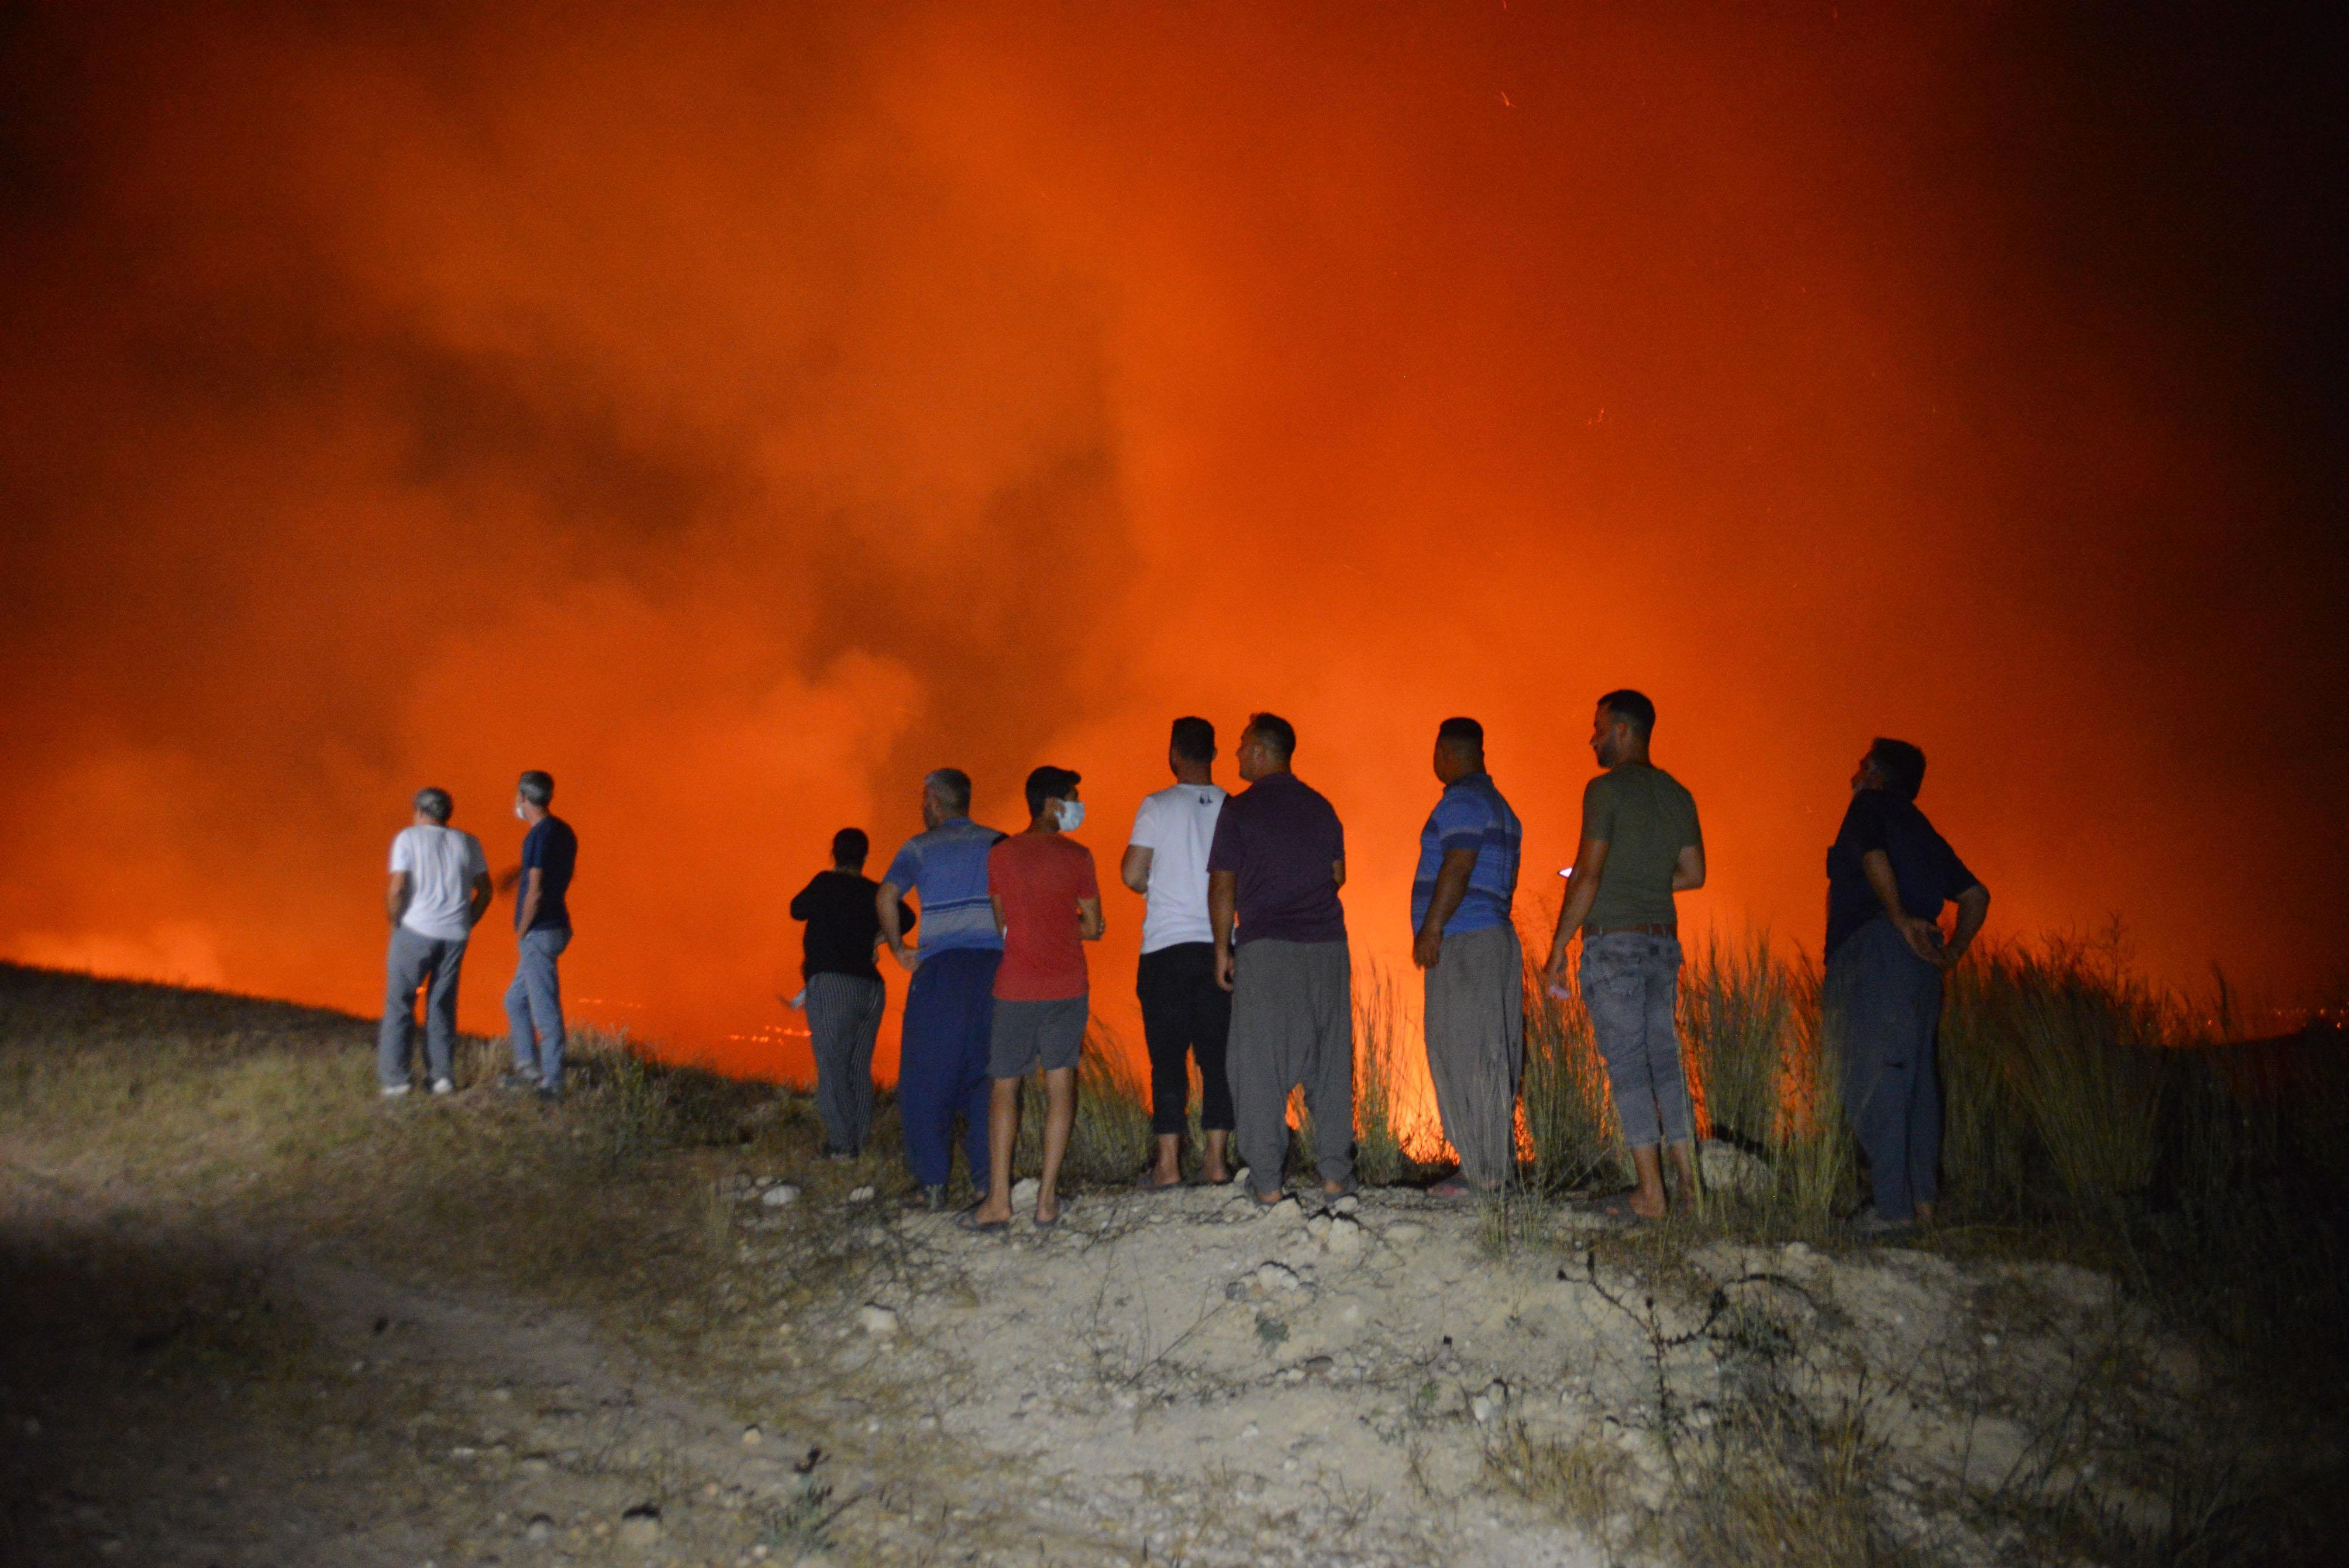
413, 962
1475, 1047
1185, 1013
534, 1005
1292, 1024
844, 1015
1630, 984
942, 1063
1880, 1011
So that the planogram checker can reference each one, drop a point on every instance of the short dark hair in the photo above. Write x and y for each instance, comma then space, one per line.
1902, 765
950, 785
1275, 734
1463, 732
1633, 709
1195, 740
435, 802
536, 788
850, 846
1049, 783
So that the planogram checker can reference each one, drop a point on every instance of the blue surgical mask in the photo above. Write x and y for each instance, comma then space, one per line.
1072, 814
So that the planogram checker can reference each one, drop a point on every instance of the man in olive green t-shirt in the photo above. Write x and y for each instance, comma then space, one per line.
1641, 845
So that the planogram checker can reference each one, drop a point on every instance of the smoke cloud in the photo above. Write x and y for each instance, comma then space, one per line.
738, 410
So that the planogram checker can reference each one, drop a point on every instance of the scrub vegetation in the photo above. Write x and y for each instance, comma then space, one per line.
2092, 1125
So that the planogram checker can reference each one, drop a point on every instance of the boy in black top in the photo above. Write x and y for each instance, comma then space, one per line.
1889, 876
843, 988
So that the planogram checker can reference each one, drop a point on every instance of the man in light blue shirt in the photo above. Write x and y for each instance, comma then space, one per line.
1466, 942
951, 1004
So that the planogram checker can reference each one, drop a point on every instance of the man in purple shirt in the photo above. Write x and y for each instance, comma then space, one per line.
1275, 868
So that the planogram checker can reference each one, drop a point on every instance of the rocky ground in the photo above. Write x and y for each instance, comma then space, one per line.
1174, 1377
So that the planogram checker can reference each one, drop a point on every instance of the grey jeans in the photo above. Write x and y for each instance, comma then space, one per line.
416, 962
1630, 984
1475, 1047
843, 1016
535, 1005
1292, 1024
1880, 1016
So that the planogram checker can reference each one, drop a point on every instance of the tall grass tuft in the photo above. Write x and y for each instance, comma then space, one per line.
1378, 1157
1737, 1020
1569, 1115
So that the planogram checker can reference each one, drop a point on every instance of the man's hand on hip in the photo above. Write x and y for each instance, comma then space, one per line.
1924, 939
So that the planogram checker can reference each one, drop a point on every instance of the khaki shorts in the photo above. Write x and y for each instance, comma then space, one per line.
1033, 1036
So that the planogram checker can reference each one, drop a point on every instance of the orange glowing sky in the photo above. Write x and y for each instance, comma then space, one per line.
738, 410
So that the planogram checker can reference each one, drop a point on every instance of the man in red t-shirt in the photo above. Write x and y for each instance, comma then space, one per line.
1048, 906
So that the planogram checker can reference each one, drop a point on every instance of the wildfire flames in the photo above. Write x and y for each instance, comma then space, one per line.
737, 410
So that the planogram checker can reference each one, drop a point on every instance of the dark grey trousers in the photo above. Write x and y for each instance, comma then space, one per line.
1292, 1024
843, 1017
1880, 1013
412, 963
1475, 1047
1630, 984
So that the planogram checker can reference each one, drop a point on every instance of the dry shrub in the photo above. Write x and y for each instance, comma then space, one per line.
1378, 1157
1569, 1116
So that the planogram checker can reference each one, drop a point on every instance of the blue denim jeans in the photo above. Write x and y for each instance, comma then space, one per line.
1880, 1014
534, 1005
1630, 984
942, 1061
415, 963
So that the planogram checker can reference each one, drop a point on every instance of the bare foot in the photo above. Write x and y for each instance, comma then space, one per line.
1647, 1205
1215, 1173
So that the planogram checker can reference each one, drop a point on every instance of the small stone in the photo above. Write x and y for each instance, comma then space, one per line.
876, 1320
783, 1192
1405, 1231
539, 1531
1024, 1190
1345, 1205
1250, 1430
753, 1436
1317, 1226
535, 1465
1271, 1276
860, 1195
1345, 1238
641, 1525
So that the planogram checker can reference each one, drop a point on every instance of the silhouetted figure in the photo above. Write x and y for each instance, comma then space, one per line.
1889, 874
549, 851
843, 995
1047, 906
1641, 845
1467, 945
439, 890
1274, 870
1185, 1015
951, 1004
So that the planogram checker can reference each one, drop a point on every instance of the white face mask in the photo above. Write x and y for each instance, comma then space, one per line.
1072, 814
520, 812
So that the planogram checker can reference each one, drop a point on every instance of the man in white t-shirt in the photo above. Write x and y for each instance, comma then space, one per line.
1185, 1013
439, 888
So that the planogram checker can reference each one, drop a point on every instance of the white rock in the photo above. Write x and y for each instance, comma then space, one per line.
1347, 1204
540, 1529
1317, 1226
782, 1192
1345, 1238
640, 1526
1278, 1276
753, 1436
1405, 1230
1481, 1408
1024, 1190
1725, 1168
860, 1195
876, 1320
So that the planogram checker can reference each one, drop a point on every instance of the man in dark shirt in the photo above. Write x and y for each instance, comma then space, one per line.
1889, 874
542, 930
843, 995
1274, 869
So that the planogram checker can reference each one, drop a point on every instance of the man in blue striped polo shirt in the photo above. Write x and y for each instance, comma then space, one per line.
951, 1005
1467, 945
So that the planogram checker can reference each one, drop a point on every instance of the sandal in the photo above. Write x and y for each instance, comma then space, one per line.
969, 1221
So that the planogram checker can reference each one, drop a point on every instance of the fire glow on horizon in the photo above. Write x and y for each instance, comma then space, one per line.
738, 412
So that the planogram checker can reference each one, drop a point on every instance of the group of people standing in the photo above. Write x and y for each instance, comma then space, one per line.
1246, 972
